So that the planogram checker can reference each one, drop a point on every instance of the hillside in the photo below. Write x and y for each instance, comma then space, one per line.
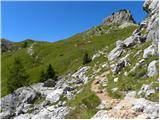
66, 55
121, 81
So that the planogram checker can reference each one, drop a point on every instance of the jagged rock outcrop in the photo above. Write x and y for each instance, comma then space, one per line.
120, 17
152, 21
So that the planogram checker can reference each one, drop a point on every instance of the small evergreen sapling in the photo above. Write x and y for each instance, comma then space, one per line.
86, 59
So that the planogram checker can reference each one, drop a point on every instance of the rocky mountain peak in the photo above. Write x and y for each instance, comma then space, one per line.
120, 17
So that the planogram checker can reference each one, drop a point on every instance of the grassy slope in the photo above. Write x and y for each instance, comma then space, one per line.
65, 55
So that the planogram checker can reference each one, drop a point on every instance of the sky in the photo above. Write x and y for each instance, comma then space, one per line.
53, 21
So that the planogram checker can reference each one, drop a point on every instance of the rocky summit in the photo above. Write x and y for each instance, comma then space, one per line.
121, 17
115, 79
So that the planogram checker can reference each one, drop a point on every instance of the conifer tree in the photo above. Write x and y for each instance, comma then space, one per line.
17, 76
50, 73
86, 59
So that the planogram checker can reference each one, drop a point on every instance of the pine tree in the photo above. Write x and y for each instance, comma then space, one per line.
86, 59
42, 76
50, 73
17, 76
25, 44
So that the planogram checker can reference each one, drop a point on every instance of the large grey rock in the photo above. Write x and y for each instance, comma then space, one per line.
24, 116
49, 83
150, 51
120, 44
146, 89
96, 55
152, 68
123, 62
150, 109
133, 40
115, 53
80, 75
55, 95
130, 41
52, 113
6, 115
102, 114
16, 101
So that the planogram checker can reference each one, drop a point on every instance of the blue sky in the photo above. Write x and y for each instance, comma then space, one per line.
52, 21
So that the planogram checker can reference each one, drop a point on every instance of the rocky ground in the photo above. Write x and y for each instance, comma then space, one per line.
48, 100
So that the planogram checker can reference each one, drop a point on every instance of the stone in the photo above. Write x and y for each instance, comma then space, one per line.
152, 68
119, 66
101, 105
68, 89
132, 40
24, 116
69, 95
150, 51
80, 75
115, 79
55, 95
149, 92
130, 94
114, 89
125, 73
150, 109
37, 87
16, 101
102, 114
146, 89
96, 55
115, 53
6, 115
52, 113
123, 62
120, 44
142, 116
49, 83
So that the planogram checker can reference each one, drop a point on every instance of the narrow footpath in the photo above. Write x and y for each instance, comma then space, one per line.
114, 108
